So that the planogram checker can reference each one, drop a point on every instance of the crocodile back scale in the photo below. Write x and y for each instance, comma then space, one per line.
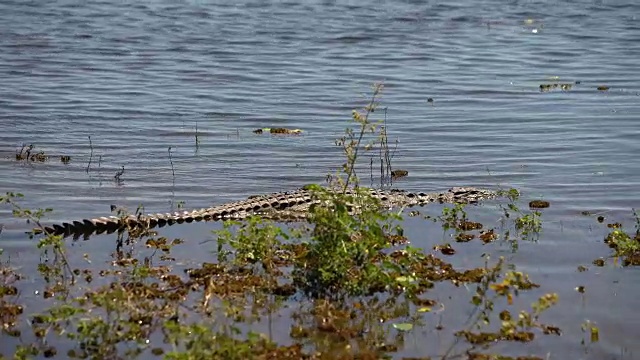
283, 206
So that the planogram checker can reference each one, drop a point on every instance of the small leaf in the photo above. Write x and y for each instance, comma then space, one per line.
405, 279
424, 309
403, 326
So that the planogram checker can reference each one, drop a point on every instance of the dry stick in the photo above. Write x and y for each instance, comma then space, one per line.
172, 170
381, 172
380, 156
197, 140
29, 151
90, 155
386, 148
384, 154
119, 173
371, 169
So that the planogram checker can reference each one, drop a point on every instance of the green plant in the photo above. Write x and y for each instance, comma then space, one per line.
349, 230
488, 291
255, 242
49, 241
626, 245
527, 224
343, 256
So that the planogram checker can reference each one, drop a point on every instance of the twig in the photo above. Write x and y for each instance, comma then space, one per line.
371, 169
90, 155
197, 139
119, 173
171, 161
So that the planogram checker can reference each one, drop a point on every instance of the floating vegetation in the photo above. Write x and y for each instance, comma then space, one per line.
26, 153
603, 88
282, 131
599, 262
539, 204
65, 159
445, 249
462, 237
469, 225
553, 86
397, 174
626, 244
488, 236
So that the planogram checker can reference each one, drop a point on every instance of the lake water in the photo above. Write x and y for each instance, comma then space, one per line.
139, 78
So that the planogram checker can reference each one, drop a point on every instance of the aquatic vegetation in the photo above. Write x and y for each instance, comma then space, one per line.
553, 86
626, 245
528, 224
396, 174
281, 131
26, 153
539, 204
65, 159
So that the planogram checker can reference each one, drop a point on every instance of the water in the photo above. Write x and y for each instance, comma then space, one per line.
138, 79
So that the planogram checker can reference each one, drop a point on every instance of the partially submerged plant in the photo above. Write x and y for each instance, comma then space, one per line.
626, 245
26, 154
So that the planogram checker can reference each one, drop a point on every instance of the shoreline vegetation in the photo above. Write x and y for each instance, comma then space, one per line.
344, 286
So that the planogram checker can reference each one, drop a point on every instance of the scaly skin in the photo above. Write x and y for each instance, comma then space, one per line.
284, 206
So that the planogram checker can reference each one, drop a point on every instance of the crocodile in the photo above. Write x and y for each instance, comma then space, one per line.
281, 206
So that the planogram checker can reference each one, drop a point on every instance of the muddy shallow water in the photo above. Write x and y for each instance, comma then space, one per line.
140, 78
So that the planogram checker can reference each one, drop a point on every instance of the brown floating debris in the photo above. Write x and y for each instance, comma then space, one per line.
598, 262
284, 131
445, 249
552, 86
462, 237
396, 174
25, 153
539, 204
469, 225
65, 159
603, 88
488, 236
